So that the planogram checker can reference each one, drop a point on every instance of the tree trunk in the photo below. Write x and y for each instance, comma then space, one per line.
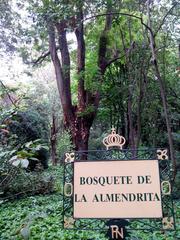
53, 140
77, 119
53, 153
130, 123
81, 132
162, 88
131, 130
142, 89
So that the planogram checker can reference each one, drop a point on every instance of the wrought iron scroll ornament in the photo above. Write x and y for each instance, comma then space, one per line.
66, 186
68, 222
114, 140
69, 157
162, 154
166, 187
168, 223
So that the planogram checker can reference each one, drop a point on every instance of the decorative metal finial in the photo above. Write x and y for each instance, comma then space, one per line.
114, 140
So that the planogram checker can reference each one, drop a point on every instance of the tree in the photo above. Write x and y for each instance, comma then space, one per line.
9, 23
56, 19
42, 96
158, 75
77, 118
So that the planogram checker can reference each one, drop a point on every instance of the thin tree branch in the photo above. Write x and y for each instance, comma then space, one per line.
113, 60
119, 57
120, 13
7, 92
41, 58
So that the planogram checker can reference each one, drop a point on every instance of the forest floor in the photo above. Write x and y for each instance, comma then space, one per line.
40, 218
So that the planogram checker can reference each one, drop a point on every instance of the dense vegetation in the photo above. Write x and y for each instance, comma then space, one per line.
40, 217
90, 65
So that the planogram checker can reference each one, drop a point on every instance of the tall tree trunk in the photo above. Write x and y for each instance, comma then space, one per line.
131, 130
82, 131
138, 132
53, 140
78, 119
82, 121
62, 79
130, 122
142, 89
161, 85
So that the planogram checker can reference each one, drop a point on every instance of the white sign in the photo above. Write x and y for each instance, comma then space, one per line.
117, 189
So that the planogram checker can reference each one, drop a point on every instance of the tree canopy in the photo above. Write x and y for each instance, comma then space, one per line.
113, 60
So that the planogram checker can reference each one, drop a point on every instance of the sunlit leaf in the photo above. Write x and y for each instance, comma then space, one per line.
24, 163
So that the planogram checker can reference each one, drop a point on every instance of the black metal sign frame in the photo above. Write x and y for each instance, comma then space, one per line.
168, 220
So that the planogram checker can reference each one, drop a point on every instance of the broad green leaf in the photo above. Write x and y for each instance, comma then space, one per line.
24, 163
16, 162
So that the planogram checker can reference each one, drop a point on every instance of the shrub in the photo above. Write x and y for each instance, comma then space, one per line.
28, 126
16, 166
26, 183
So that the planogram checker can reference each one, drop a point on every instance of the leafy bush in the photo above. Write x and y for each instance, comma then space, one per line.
31, 155
25, 184
18, 158
28, 126
36, 153
17, 128
16, 179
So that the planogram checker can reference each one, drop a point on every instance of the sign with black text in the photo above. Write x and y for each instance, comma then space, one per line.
117, 189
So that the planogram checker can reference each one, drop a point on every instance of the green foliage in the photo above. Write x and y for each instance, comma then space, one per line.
40, 217
97, 135
15, 177
35, 152
28, 125
27, 184
20, 133
18, 157
89, 109
176, 189
8, 21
